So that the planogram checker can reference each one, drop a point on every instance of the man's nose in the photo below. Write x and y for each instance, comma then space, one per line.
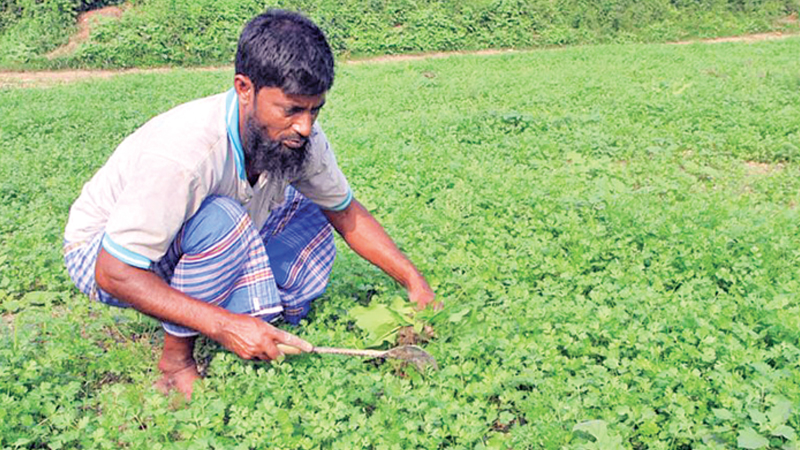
303, 124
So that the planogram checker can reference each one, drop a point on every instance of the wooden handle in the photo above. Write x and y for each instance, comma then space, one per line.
289, 350
350, 352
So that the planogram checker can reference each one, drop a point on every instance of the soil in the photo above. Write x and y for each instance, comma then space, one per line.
747, 38
56, 77
760, 168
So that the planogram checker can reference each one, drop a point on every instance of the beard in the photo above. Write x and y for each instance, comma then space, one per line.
263, 155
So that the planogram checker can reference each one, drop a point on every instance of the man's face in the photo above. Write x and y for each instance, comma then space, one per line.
285, 118
275, 128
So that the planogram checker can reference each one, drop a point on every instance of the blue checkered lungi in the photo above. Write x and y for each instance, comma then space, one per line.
220, 258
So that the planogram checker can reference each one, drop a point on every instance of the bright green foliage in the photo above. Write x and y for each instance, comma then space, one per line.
613, 229
201, 32
31, 28
382, 322
598, 429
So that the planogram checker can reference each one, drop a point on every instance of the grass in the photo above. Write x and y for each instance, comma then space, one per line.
613, 229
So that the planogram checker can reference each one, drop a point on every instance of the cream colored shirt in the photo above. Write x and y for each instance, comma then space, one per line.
158, 177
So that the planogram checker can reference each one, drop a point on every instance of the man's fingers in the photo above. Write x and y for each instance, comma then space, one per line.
271, 351
292, 340
289, 349
430, 304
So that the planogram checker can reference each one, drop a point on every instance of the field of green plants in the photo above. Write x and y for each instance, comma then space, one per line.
613, 230
205, 32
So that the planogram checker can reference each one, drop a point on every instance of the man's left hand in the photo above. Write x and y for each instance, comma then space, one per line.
368, 238
424, 296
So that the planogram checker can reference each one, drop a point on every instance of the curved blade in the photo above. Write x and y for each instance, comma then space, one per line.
413, 354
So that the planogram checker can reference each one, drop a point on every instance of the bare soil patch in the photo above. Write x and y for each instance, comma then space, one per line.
746, 38
759, 168
57, 77
8, 319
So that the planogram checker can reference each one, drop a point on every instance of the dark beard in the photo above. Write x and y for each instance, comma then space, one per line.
263, 155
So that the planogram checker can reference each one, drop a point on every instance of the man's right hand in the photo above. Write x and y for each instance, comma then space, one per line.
248, 337
252, 338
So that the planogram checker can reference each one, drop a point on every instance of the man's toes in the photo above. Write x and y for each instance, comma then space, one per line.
164, 385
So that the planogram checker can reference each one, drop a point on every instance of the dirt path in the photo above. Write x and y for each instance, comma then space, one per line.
55, 77
50, 78
746, 38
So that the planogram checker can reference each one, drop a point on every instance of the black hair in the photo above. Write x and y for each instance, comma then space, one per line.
286, 50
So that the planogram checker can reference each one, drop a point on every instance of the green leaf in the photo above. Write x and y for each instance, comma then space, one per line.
22, 442
575, 157
758, 417
387, 336
597, 428
11, 306
722, 414
40, 298
403, 311
459, 316
779, 303
377, 320
748, 438
506, 417
498, 441
780, 413
786, 432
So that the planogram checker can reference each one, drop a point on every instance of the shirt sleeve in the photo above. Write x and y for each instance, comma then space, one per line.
323, 182
158, 198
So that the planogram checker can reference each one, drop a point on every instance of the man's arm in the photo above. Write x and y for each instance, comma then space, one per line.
366, 236
248, 337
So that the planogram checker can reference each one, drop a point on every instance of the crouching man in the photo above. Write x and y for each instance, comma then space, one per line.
215, 217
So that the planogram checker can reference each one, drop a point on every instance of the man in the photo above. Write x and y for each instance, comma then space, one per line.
215, 217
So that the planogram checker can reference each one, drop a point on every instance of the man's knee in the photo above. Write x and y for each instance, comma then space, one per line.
217, 217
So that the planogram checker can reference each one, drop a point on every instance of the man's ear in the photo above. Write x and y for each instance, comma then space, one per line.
244, 89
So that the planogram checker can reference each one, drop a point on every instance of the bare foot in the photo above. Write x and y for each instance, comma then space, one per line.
178, 366
181, 379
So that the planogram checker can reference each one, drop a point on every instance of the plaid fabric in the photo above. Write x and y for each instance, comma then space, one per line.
299, 241
218, 257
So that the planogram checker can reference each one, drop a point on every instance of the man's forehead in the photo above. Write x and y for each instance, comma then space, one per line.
277, 97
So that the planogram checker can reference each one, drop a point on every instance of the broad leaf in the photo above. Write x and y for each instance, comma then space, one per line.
377, 320
786, 432
748, 438
40, 297
722, 414
597, 428
780, 413
459, 316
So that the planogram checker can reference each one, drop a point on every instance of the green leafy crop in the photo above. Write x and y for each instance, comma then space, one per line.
613, 230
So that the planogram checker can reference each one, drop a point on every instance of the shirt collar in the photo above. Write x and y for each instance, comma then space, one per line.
232, 120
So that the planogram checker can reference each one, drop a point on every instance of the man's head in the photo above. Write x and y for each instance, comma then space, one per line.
284, 67
285, 50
